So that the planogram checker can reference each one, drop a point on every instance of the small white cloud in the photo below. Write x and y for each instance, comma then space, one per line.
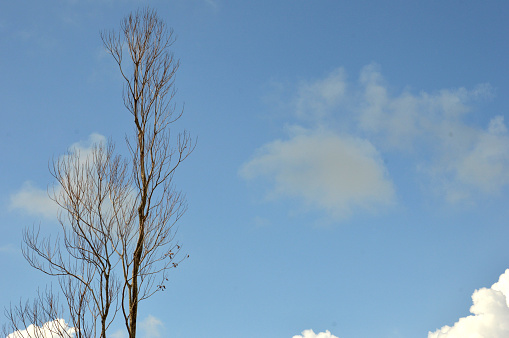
152, 327
85, 148
325, 170
54, 329
312, 334
34, 201
490, 314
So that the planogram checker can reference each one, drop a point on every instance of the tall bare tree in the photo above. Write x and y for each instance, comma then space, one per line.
149, 75
118, 215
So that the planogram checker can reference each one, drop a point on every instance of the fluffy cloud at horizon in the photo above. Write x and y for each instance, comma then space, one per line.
54, 329
344, 128
312, 334
490, 314
151, 327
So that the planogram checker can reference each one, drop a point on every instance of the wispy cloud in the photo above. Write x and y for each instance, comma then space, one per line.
317, 100
399, 121
462, 159
312, 334
490, 314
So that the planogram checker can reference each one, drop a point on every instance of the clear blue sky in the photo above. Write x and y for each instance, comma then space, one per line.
352, 167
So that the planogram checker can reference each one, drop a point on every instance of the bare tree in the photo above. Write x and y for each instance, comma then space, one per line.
149, 75
38, 319
118, 216
96, 201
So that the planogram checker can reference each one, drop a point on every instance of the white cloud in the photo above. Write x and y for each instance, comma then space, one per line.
36, 201
54, 329
325, 170
461, 159
85, 148
490, 314
311, 334
401, 120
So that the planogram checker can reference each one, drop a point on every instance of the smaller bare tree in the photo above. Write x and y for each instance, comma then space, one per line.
39, 319
94, 194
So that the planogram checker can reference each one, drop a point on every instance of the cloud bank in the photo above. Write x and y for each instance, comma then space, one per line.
311, 334
490, 314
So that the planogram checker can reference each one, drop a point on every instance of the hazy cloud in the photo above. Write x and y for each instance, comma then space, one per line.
311, 334
490, 314
401, 120
317, 100
325, 170
36, 201
462, 159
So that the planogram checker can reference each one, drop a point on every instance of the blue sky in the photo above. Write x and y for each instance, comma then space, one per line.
352, 169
